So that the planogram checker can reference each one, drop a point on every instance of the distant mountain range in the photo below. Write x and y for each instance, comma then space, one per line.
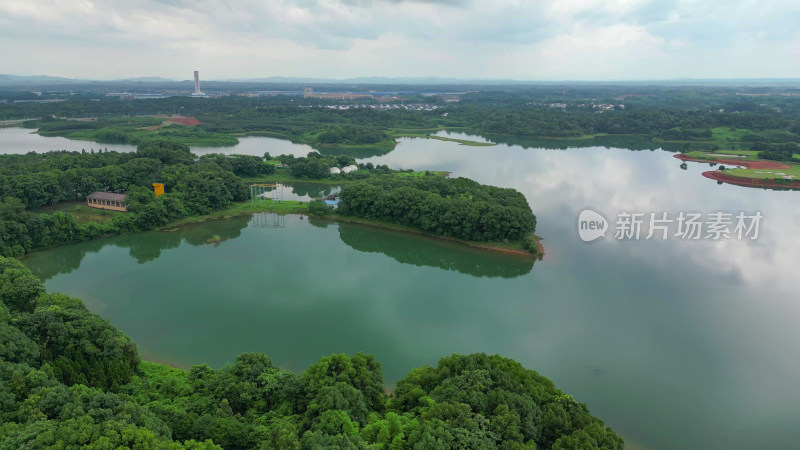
380, 80
16, 79
42, 80
39, 79
6, 79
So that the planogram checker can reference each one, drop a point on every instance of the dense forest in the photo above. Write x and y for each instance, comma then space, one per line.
455, 207
321, 127
213, 182
68, 378
197, 186
661, 113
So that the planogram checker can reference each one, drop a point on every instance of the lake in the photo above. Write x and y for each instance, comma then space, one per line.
674, 343
15, 140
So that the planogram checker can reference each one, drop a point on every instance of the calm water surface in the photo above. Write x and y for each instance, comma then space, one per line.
676, 344
17, 140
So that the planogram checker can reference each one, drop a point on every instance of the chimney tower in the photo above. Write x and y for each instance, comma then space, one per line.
197, 82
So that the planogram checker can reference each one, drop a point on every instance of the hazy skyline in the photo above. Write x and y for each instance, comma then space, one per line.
536, 40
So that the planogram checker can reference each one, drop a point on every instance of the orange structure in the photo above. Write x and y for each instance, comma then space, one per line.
159, 189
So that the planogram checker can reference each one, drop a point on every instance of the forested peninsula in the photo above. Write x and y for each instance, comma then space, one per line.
32, 186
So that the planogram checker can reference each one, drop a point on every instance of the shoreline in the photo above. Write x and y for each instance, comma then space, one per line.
749, 164
294, 208
751, 182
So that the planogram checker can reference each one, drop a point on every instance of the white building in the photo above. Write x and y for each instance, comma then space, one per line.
350, 168
335, 170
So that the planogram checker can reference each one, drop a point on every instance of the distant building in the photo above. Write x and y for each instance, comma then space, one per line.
121, 95
107, 200
335, 170
309, 93
331, 200
350, 168
150, 96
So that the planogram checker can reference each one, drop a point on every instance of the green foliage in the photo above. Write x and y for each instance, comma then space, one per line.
474, 401
458, 207
778, 152
529, 244
195, 187
167, 152
240, 165
318, 208
19, 289
353, 135
69, 379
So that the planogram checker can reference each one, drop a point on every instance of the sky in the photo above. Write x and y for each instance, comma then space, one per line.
470, 39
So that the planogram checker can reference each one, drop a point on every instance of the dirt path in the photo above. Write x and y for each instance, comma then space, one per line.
184, 120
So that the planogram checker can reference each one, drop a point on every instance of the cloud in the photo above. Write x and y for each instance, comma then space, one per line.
551, 39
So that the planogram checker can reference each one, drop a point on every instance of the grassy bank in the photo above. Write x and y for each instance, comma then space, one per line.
745, 155
83, 213
768, 174
750, 157
246, 207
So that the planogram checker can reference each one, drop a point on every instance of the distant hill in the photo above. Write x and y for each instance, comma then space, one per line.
378, 80
37, 79
146, 80
147, 83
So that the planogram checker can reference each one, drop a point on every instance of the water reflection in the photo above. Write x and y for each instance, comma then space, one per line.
257, 146
434, 253
656, 336
628, 142
301, 191
18, 141
142, 247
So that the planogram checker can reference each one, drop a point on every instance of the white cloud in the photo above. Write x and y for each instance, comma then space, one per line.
553, 39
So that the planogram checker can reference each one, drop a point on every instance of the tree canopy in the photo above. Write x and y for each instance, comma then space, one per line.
68, 378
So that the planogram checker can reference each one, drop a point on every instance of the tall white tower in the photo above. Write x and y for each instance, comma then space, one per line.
196, 83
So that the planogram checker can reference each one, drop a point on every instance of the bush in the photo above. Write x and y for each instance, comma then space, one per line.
319, 208
529, 245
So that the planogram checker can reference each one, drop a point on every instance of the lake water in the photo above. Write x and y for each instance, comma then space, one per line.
674, 343
17, 140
